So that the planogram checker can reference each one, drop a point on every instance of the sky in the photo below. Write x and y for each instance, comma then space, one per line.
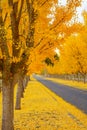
79, 9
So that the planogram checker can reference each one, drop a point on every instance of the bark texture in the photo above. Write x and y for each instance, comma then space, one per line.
8, 106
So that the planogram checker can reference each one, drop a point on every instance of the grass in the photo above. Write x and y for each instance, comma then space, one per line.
70, 83
43, 110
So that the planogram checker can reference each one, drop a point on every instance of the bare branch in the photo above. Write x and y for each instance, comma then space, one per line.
5, 17
57, 24
20, 11
44, 2
39, 42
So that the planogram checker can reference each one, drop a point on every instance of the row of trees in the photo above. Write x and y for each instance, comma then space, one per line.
29, 31
73, 56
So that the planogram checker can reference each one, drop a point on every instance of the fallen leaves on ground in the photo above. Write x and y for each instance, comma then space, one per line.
43, 110
71, 83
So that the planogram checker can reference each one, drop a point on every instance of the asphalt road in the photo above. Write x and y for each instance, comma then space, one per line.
72, 95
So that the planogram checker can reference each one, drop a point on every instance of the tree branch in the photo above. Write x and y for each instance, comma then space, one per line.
44, 2
5, 17
20, 11
57, 24
39, 42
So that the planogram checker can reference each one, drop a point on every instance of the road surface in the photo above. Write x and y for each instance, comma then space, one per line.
72, 95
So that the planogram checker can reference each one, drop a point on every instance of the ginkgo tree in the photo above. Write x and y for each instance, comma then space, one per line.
25, 26
73, 55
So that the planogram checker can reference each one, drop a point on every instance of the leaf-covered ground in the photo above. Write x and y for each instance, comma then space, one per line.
43, 110
76, 84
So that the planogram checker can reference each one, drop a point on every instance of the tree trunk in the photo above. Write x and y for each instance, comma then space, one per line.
84, 78
0, 84
19, 94
73, 77
22, 83
8, 106
22, 90
27, 78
